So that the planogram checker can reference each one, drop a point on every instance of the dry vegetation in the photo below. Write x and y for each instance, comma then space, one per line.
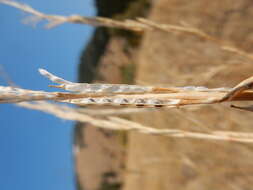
138, 25
120, 95
149, 156
131, 95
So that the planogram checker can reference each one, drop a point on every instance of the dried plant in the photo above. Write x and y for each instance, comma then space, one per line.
117, 94
115, 123
131, 95
138, 25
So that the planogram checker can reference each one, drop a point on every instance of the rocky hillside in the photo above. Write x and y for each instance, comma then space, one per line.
107, 160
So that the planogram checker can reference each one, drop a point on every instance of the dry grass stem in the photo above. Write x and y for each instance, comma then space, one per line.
130, 95
55, 20
138, 25
115, 123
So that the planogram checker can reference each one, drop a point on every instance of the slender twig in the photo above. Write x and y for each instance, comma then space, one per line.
115, 123
55, 20
138, 25
131, 95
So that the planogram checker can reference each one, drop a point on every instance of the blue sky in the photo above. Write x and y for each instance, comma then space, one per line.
36, 148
